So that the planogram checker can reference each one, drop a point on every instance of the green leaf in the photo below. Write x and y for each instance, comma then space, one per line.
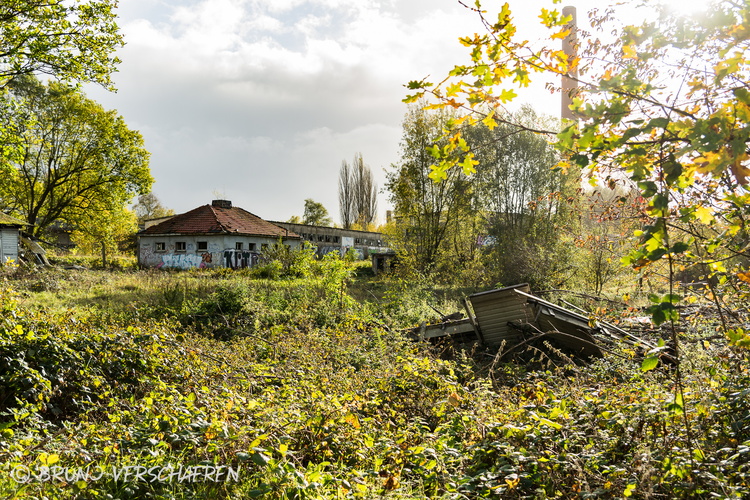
649, 363
259, 459
656, 254
418, 84
648, 188
630, 133
658, 315
660, 122
677, 406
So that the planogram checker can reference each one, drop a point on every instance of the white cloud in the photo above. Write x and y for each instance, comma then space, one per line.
263, 99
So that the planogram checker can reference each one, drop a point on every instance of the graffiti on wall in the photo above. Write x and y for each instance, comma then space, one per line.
231, 258
180, 261
238, 259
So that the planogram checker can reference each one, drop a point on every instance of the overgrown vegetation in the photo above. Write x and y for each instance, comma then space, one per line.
307, 392
294, 379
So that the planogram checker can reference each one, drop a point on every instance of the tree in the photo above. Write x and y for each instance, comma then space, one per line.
429, 216
346, 196
149, 207
74, 156
683, 142
316, 214
667, 104
528, 205
107, 228
357, 194
72, 40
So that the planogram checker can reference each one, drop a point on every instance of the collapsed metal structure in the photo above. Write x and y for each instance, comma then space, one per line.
511, 317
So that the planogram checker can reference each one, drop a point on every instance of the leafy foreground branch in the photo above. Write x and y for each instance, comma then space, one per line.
346, 409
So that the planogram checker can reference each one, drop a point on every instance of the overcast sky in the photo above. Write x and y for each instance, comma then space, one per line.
259, 101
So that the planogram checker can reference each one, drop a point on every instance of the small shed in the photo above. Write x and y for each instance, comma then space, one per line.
383, 262
10, 228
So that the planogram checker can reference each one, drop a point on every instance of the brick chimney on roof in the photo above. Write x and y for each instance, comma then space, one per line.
222, 203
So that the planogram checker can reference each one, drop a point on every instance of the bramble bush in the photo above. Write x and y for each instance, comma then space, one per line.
309, 395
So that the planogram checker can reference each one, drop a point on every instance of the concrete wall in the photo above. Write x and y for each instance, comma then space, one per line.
8, 244
330, 239
221, 250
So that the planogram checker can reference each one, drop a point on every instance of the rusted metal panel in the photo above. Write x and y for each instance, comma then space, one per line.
495, 309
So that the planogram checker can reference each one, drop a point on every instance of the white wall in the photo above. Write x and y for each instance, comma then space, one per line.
8, 244
220, 247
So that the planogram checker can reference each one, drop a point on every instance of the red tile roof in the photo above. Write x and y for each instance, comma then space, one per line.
209, 219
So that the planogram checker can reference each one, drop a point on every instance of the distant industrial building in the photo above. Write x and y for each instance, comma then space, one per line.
335, 239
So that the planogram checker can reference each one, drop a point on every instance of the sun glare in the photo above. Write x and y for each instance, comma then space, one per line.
685, 7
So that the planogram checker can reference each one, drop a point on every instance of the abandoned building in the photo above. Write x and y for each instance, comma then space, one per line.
10, 228
330, 239
215, 235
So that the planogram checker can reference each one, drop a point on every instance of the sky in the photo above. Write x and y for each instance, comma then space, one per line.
260, 101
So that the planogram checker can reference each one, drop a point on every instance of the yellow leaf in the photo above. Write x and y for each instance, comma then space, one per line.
49, 459
512, 481
744, 277
391, 483
507, 95
489, 121
453, 90
704, 214
454, 400
561, 35
739, 169
629, 52
352, 420
468, 164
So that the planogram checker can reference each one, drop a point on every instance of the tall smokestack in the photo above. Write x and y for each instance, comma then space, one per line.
570, 81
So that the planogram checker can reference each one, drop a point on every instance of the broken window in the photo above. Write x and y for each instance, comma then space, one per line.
180, 246
202, 246
160, 246
238, 245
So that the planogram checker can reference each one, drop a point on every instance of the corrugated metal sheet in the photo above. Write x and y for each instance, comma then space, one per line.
495, 309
